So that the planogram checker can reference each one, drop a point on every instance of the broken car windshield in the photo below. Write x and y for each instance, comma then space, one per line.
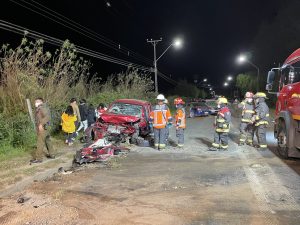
126, 109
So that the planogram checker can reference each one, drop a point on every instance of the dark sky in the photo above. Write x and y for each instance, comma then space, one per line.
214, 31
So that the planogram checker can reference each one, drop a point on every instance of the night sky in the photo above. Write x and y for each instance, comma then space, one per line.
214, 32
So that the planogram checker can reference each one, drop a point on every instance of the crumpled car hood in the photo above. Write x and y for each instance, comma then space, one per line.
118, 119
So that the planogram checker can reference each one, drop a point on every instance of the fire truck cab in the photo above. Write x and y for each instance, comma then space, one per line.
286, 79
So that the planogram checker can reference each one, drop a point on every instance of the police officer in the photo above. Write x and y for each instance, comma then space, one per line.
261, 119
180, 121
160, 118
246, 126
222, 126
42, 119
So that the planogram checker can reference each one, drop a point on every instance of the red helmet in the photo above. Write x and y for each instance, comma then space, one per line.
178, 101
249, 95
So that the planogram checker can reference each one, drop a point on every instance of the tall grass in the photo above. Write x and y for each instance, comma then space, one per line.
28, 71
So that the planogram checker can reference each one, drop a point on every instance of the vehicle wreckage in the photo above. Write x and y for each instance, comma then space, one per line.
125, 121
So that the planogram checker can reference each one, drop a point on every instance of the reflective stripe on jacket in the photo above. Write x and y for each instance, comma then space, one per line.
247, 111
262, 114
180, 118
160, 116
223, 120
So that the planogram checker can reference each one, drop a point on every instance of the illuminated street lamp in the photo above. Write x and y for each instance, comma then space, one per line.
241, 59
229, 78
225, 84
205, 80
177, 43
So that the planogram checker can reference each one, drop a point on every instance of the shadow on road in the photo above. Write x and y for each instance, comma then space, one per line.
205, 141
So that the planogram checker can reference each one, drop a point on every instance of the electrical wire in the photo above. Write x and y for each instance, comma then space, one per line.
79, 28
54, 41
90, 30
166, 78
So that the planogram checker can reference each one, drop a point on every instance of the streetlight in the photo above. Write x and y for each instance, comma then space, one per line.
177, 43
242, 59
205, 80
225, 84
229, 78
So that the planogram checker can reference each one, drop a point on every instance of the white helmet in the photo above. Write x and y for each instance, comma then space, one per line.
166, 101
160, 97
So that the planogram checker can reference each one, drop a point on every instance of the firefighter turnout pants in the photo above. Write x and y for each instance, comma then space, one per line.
247, 133
221, 140
160, 137
261, 135
180, 136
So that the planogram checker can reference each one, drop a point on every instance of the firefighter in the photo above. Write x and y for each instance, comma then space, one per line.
160, 118
180, 121
222, 126
166, 102
261, 119
246, 126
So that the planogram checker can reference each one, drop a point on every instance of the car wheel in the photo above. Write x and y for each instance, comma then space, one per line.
282, 147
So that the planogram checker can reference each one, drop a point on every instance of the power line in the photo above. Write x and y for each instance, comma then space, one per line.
79, 29
168, 79
90, 30
48, 39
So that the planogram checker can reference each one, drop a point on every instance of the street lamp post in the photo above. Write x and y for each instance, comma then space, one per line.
242, 59
177, 43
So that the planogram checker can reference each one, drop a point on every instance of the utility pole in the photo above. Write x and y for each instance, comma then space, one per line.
154, 43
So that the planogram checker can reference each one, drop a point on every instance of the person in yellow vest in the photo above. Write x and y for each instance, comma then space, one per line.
180, 121
261, 119
68, 119
160, 118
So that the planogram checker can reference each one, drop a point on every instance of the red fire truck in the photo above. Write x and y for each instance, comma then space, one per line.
286, 80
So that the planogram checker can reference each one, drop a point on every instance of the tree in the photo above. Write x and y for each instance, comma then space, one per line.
187, 89
246, 82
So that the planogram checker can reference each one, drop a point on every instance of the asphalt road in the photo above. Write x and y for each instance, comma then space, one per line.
176, 186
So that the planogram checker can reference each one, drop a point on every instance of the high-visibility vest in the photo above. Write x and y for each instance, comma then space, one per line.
160, 116
180, 118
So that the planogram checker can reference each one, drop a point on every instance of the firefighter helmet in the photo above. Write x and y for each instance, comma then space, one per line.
260, 95
178, 101
249, 94
222, 100
160, 97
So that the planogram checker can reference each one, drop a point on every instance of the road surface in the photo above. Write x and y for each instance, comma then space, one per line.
177, 186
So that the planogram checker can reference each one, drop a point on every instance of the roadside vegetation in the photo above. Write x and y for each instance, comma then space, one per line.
28, 71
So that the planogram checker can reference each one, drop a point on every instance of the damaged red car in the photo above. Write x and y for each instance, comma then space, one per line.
126, 118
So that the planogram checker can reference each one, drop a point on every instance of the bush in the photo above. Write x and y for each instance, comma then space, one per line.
16, 131
124, 85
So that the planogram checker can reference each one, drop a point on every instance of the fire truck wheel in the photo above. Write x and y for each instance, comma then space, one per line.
282, 141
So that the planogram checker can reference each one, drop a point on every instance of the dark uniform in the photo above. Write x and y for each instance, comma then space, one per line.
222, 124
42, 117
261, 119
246, 126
